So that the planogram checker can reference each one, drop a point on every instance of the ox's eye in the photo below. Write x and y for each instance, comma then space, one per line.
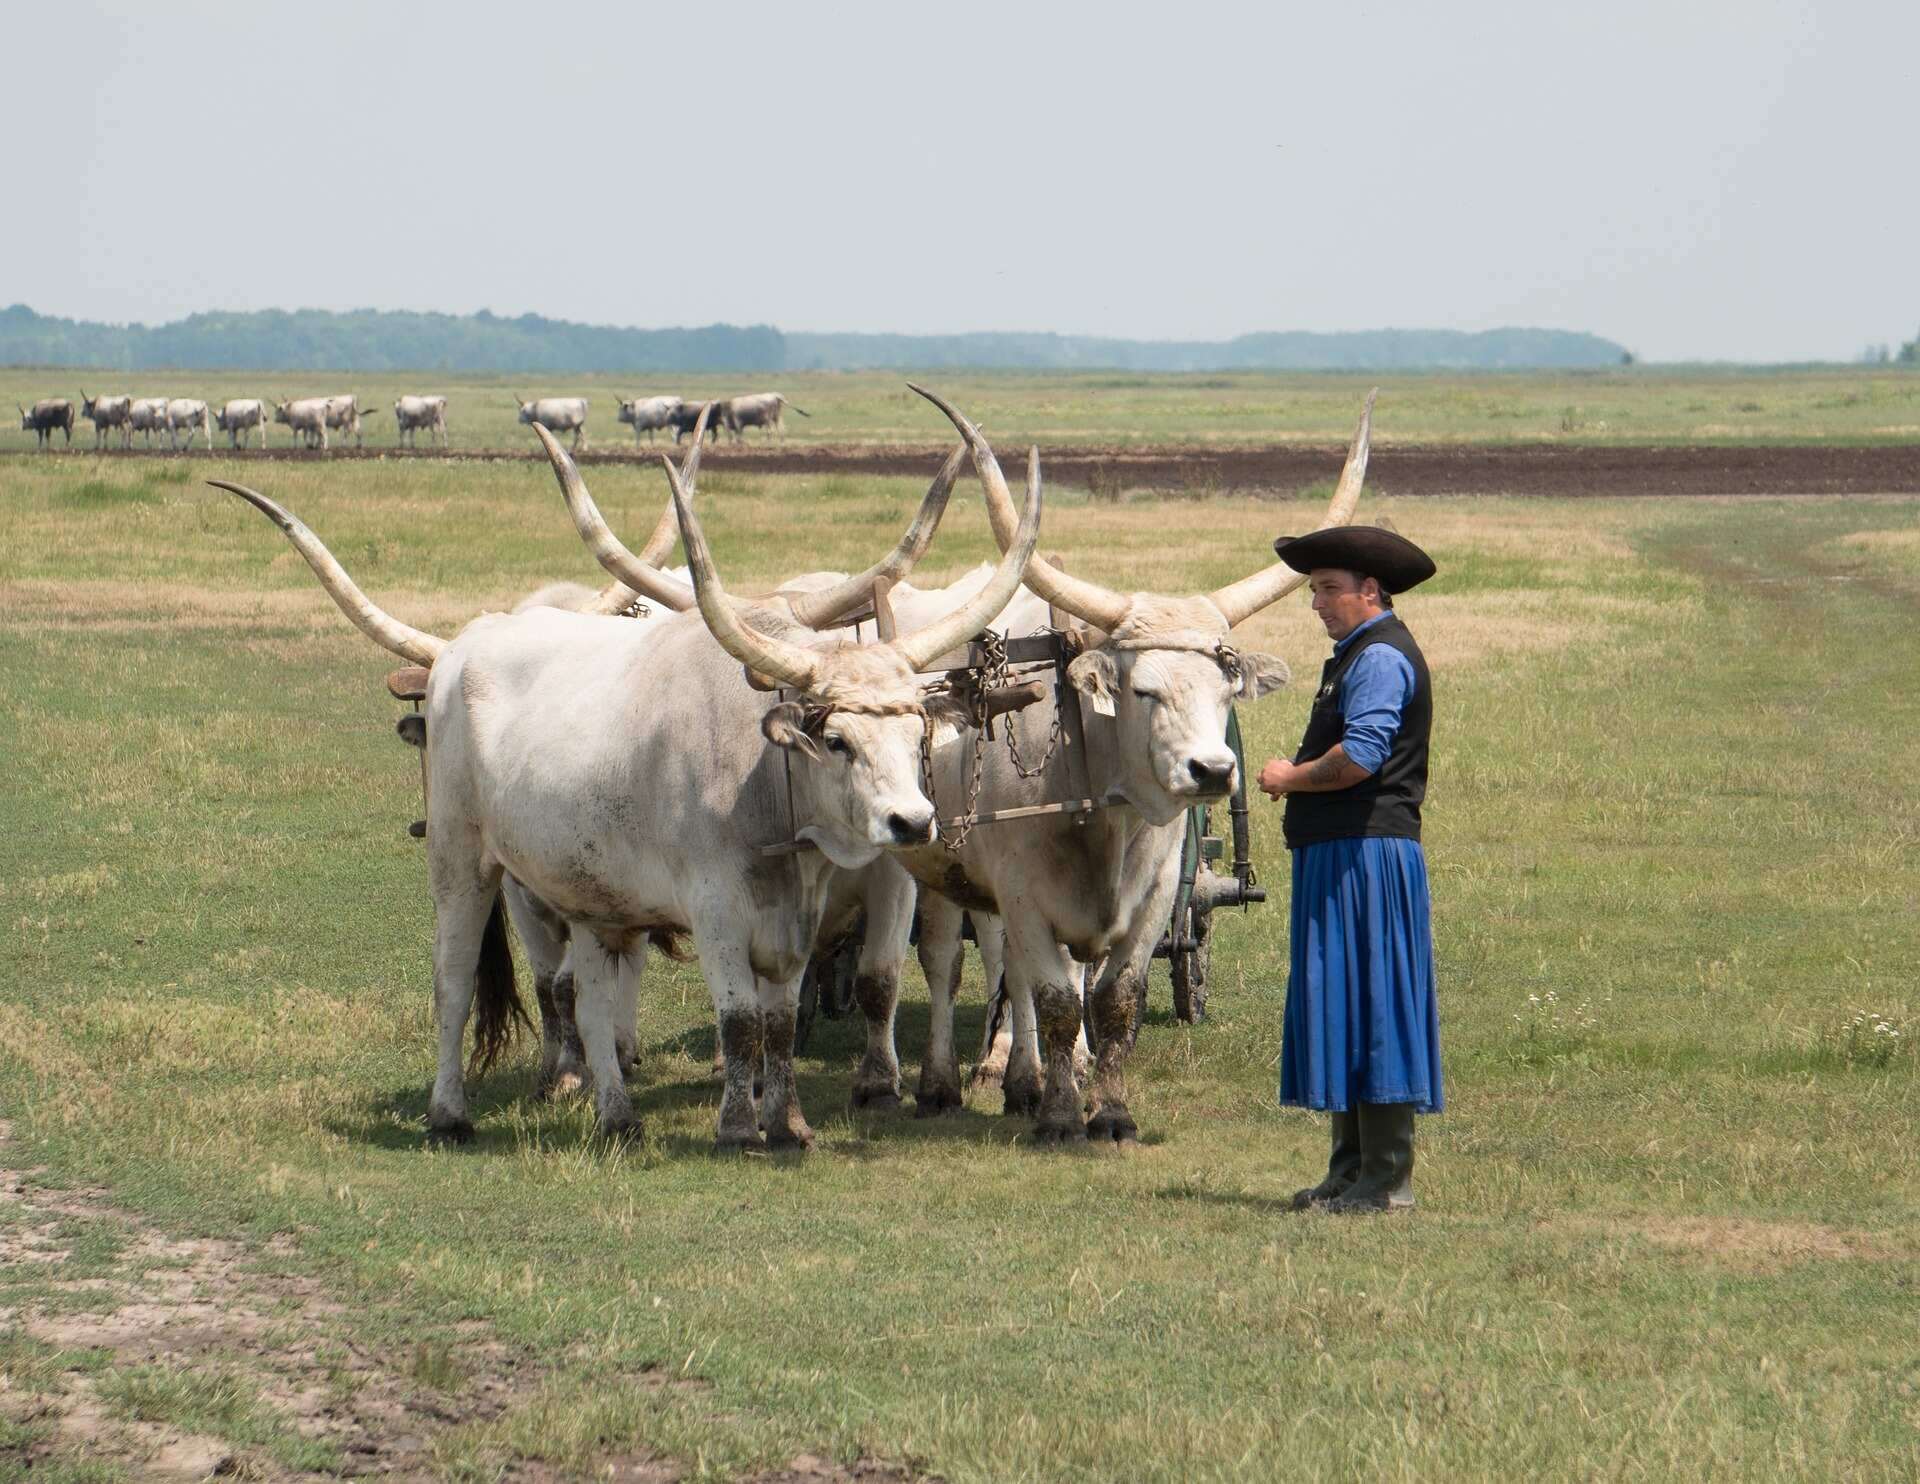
1145, 693
839, 746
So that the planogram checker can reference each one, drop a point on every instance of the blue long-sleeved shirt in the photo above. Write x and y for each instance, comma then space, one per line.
1373, 693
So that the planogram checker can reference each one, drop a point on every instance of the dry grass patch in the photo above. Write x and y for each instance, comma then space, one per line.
1749, 1245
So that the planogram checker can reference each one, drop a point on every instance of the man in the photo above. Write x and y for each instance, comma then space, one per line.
1361, 1037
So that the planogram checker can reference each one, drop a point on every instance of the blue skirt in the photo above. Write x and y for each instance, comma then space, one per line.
1362, 1022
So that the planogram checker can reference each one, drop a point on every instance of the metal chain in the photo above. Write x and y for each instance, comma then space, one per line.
971, 815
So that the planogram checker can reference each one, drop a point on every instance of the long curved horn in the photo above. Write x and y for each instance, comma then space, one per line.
381, 627
644, 579
787, 663
817, 610
1100, 606
924, 644
1241, 600
616, 596
666, 530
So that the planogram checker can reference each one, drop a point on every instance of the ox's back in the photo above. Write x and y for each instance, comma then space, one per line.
682, 795
560, 414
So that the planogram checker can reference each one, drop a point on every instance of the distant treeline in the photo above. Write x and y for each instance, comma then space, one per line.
382, 340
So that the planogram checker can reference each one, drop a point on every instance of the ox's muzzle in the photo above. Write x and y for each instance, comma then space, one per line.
910, 827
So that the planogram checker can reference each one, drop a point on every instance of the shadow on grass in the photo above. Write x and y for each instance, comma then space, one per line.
1263, 1205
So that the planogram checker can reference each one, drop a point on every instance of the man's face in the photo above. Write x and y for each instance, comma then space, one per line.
1344, 600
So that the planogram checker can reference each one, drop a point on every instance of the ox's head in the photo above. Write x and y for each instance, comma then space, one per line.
526, 408
857, 729
625, 414
1162, 667
282, 413
26, 419
86, 404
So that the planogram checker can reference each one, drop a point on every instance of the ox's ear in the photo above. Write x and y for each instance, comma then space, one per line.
1260, 673
946, 707
1096, 676
786, 726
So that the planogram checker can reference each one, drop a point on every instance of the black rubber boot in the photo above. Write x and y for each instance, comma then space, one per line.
1386, 1161
1343, 1168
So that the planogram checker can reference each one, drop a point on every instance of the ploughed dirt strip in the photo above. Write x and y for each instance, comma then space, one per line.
1404, 469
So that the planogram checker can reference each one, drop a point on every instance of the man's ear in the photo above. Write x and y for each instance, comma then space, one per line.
786, 726
1260, 673
1097, 677
945, 706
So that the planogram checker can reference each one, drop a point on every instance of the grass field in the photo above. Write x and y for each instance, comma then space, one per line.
1667, 1224
1642, 405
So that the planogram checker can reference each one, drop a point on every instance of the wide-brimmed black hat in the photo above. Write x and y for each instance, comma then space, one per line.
1386, 556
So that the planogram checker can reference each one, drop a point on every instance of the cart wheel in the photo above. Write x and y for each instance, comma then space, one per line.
1190, 969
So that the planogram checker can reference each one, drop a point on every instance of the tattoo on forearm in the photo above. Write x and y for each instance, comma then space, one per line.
1327, 768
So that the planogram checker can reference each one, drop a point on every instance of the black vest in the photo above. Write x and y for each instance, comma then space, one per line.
1388, 803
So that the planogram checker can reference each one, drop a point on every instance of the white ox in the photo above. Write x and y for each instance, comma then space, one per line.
44, 417
411, 414
343, 413
551, 757
147, 416
649, 414
307, 416
1155, 678
239, 417
558, 415
107, 413
191, 415
761, 410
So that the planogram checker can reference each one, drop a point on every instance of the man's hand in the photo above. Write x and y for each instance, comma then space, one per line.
1276, 777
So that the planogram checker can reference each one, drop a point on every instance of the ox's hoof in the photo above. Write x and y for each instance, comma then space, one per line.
740, 1144
1112, 1124
459, 1131
618, 1131
931, 1102
790, 1137
1060, 1134
877, 1099
561, 1085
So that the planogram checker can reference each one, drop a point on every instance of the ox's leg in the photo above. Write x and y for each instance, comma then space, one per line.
626, 1009
786, 1126
463, 900
736, 1010
596, 975
940, 922
1021, 1083
876, 984
996, 1034
543, 933
1041, 967
1114, 1002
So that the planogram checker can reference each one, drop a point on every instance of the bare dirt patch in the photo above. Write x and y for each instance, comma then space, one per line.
188, 1316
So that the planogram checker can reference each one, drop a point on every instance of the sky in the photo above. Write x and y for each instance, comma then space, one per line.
1691, 178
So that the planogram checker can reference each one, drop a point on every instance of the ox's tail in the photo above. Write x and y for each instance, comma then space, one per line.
801, 410
498, 1013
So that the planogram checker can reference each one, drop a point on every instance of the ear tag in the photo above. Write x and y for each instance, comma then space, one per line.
1102, 702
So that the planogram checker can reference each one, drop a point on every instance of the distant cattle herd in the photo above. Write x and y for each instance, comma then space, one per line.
311, 420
